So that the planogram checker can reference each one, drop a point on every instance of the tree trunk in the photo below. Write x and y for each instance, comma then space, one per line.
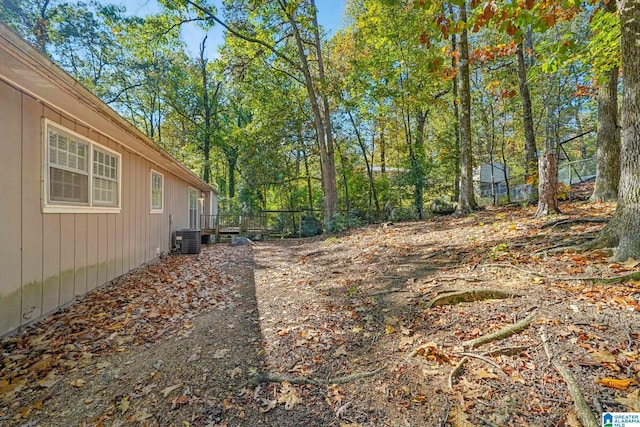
608, 141
206, 137
467, 201
530, 150
548, 186
232, 159
372, 188
624, 228
456, 115
418, 164
321, 123
608, 138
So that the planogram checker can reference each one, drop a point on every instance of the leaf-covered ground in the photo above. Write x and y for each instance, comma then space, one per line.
384, 326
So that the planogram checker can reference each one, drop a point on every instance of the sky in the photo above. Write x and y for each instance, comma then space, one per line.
330, 16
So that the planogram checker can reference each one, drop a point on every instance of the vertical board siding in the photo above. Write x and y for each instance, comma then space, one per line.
92, 251
67, 258
80, 282
127, 263
49, 259
10, 212
31, 205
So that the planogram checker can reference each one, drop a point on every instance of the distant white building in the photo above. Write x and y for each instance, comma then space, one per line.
491, 178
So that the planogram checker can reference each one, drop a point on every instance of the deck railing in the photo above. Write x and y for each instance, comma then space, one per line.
234, 224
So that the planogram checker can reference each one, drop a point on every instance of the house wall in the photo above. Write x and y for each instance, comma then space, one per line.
48, 259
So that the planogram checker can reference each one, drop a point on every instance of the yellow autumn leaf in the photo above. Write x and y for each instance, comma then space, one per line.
484, 374
78, 382
619, 384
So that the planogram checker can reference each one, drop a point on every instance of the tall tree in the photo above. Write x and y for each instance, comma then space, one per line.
623, 230
263, 27
467, 201
530, 150
608, 137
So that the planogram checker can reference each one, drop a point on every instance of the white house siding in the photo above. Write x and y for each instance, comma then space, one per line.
49, 259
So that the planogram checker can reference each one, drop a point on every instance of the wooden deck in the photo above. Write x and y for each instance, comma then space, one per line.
227, 226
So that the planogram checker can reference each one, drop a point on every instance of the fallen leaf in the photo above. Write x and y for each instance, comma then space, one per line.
341, 351
79, 382
179, 401
483, 373
603, 357
268, 405
167, 391
632, 401
221, 353
572, 420
631, 263
124, 404
619, 384
235, 372
288, 396
458, 418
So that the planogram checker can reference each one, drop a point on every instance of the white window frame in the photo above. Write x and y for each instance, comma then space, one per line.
49, 206
153, 208
196, 220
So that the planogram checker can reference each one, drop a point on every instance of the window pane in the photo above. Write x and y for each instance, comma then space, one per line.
105, 192
156, 191
67, 186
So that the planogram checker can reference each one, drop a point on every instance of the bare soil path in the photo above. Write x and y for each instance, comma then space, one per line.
450, 321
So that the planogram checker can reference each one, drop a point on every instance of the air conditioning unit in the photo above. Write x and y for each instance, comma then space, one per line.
189, 240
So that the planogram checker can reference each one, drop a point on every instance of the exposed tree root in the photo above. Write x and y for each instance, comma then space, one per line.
269, 377
634, 275
501, 333
452, 278
484, 359
455, 372
568, 221
471, 295
585, 415
506, 351
564, 246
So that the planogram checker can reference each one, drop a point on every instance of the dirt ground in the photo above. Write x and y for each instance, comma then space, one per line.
348, 330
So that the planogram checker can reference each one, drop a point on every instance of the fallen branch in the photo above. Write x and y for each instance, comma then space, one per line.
269, 377
471, 295
502, 333
579, 403
456, 371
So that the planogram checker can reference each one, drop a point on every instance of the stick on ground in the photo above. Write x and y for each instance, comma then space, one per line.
501, 333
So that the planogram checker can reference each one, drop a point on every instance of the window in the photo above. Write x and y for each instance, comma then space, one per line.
79, 175
157, 192
105, 178
193, 208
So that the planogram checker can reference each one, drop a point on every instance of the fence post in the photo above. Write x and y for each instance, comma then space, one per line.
300, 224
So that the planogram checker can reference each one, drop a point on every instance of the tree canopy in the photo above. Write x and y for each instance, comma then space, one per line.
397, 109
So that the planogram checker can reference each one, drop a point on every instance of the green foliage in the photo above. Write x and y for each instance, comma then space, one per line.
243, 120
342, 222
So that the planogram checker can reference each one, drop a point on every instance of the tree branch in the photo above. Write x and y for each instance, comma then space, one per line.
211, 16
